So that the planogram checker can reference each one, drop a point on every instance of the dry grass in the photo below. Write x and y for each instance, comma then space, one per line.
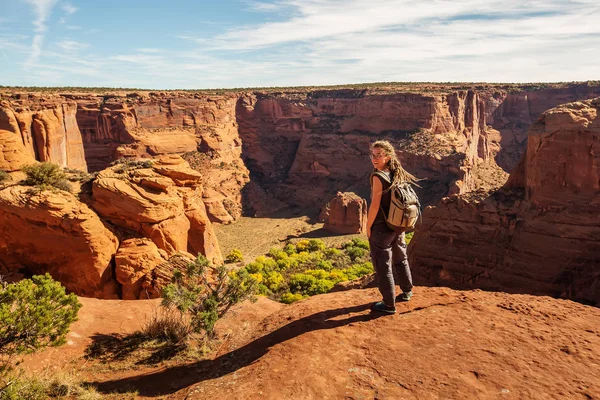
169, 326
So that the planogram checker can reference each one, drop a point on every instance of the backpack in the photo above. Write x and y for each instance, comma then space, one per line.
405, 208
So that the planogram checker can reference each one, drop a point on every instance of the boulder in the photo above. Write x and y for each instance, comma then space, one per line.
346, 213
135, 259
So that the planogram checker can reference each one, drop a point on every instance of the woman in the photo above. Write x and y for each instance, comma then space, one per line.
388, 248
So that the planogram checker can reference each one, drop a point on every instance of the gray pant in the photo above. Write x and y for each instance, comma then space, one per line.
388, 254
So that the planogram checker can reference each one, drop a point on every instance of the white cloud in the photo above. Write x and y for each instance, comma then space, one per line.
319, 42
42, 10
68, 8
72, 46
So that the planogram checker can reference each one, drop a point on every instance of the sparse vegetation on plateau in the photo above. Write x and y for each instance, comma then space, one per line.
203, 293
307, 268
4, 176
45, 175
128, 164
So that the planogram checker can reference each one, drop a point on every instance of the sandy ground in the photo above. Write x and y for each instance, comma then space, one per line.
442, 344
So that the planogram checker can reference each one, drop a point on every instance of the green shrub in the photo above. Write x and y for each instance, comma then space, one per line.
278, 254
325, 265
332, 253
290, 249
205, 300
359, 270
234, 256
289, 298
357, 242
44, 386
308, 268
19, 388
274, 281
128, 164
4, 176
355, 252
45, 175
287, 263
302, 246
315, 245
34, 313
309, 284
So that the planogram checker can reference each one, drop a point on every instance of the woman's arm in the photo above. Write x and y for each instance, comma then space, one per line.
376, 191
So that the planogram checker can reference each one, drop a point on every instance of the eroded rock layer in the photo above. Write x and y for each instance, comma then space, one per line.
540, 233
52, 231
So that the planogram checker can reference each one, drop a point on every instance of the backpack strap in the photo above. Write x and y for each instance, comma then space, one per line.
385, 178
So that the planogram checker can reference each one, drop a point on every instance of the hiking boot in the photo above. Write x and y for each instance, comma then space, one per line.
404, 296
381, 307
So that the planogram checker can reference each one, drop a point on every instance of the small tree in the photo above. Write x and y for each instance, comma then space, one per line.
34, 313
4, 176
44, 175
206, 293
234, 256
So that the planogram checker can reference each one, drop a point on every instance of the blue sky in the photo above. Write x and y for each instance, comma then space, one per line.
247, 43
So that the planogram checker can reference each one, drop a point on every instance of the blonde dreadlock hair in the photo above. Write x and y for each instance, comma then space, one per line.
400, 174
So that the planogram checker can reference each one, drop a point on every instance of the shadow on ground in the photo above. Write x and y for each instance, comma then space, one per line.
172, 379
116, 347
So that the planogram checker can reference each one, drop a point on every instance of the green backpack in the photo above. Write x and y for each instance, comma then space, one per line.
404, 209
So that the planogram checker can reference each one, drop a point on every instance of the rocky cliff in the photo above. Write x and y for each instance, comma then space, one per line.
450, 135
538, 234
512, 113
137, 217
87, 131
300, 147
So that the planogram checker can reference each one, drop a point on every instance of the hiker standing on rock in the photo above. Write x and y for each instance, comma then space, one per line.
388, 246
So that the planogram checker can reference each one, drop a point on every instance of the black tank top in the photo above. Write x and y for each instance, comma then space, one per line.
386, 198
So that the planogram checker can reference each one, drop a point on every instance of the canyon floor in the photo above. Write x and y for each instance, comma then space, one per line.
255, 236
444, 343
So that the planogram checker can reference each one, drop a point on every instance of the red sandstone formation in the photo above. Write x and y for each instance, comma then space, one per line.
162, 202
33, 129
511, 114
51, 231
135, 259
159, 204
321, 139
346, 213
90, 131
541, 233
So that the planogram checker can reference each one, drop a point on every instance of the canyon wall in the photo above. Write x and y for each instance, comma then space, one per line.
447, 135
321, 140
540, 233
34, 128
512, 113
89, 132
